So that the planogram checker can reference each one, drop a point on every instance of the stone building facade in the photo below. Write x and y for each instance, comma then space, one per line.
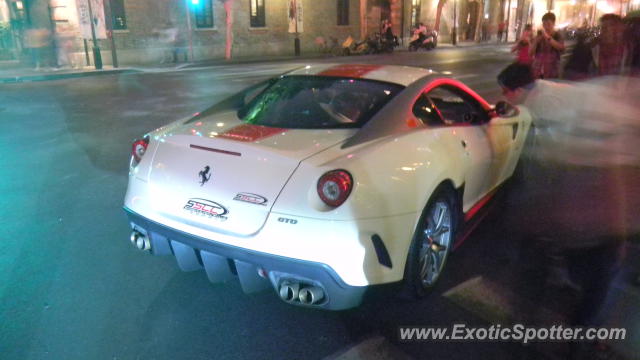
215, 29
140, 26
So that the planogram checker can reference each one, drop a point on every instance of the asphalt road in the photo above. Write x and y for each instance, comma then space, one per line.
72, 287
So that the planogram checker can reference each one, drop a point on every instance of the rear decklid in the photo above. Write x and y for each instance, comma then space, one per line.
223, 175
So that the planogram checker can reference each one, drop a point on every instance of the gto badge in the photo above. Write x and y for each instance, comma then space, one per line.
207, 208
251, 198
288, 221
204, 175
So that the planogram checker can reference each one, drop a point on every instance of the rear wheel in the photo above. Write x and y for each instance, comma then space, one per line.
431, 243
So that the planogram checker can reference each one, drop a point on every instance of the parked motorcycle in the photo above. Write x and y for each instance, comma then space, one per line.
352, 47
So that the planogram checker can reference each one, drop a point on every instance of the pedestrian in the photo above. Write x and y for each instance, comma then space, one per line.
501, 28
632, 40
522, 47
179, 46
610, 45
484, 31
580, 64
578, 204
419, 35
387, 32
64, 45
546, 49
37, 40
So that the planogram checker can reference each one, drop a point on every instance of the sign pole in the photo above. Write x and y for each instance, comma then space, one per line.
109, 23
296, 41
190, 31
454, 31
506, 35
97, 58
86, 52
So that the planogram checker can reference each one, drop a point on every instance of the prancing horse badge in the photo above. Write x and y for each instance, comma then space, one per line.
204, 175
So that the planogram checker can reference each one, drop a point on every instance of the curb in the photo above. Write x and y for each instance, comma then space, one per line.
206, 63
72, 75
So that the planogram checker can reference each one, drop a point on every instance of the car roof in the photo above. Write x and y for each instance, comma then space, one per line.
402, 75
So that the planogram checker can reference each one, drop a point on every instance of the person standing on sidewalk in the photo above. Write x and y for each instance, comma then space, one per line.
580, 64
610, 45
632, 41
37, 40
523, 46
64, 46
546, 49
501, 27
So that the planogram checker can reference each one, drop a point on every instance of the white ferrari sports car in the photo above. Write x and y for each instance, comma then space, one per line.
323, 181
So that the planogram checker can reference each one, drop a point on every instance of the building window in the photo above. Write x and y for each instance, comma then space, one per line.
415, 13
203, 11
257, 13
343, 12
118, 17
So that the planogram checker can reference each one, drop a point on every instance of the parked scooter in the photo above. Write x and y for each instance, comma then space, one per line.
422, 41
352, 47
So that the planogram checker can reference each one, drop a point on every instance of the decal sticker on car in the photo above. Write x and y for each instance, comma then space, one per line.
250, 133
207, 208
251, 198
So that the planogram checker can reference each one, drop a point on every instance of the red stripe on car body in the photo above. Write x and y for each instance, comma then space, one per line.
479, 205
458, 84
250, 133
351, 70
469, 215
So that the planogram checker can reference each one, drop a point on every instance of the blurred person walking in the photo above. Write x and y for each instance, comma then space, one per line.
172, 38
632, 43
580, 65
547, 46
501, 28
64, 47
579, 202
610, 45
37, 40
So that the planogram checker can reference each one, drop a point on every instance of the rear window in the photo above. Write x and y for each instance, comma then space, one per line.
316, 102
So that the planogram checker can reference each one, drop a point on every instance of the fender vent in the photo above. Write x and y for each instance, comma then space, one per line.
381, 251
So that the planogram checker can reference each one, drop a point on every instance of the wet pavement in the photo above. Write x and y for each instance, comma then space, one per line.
71, 285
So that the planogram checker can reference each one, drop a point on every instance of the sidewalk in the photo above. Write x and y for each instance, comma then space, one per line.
12, 72
16, 74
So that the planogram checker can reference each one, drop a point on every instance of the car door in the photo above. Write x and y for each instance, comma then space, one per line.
484, 143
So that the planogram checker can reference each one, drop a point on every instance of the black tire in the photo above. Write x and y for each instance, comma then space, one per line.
416, 285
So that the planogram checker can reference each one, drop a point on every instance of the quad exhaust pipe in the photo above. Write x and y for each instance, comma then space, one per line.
311, 295
289, 291
140, 240
292, 292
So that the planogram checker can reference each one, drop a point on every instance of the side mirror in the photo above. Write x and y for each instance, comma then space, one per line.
504, 109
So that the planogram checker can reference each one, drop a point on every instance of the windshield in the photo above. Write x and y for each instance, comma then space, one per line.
315, 102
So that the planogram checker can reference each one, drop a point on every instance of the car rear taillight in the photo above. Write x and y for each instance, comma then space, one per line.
139, 148
334, 187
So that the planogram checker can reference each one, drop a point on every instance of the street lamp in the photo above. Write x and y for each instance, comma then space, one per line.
97, 58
